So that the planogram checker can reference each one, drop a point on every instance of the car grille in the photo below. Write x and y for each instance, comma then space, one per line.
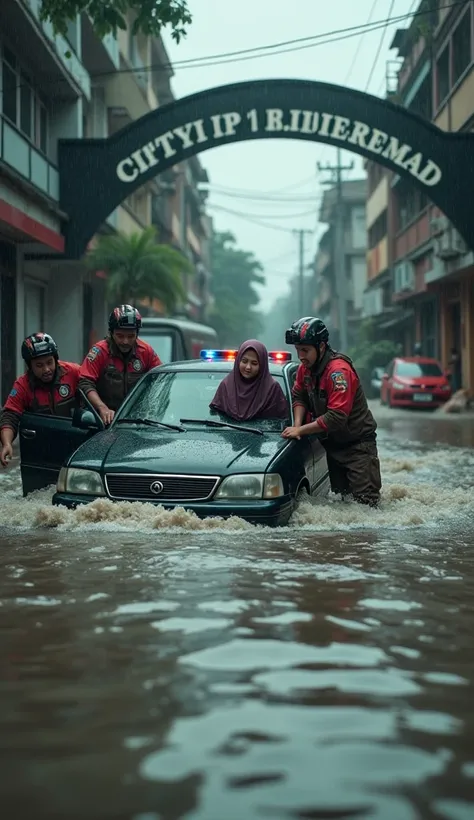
137, 487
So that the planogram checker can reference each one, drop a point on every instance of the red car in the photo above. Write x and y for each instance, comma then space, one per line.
414, 381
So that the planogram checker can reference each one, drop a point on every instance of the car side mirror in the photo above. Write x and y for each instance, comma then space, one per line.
85, 416
87, 420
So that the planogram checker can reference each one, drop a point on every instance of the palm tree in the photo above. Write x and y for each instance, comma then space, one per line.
139, 268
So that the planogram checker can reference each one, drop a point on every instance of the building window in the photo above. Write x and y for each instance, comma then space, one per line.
26, 106
410, 203
378, 230
21, 104
359, 228
462, 46
9, 87
34, 307
442, 75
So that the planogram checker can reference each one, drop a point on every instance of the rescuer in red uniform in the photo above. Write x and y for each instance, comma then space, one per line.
114, 365
49, 386
328, 387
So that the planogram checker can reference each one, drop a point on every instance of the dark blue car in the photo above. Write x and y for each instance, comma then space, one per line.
165, 446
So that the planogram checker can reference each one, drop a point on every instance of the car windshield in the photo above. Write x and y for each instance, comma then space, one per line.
162, 344
169, 397
416, 370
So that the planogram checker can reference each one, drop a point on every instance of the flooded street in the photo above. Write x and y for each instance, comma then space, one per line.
155, 667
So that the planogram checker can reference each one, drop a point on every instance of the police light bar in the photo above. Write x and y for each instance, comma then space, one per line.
277, 356
218, 355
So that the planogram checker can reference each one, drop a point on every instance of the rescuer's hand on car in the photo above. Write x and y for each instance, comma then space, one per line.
106, 414
6, 453
292, 432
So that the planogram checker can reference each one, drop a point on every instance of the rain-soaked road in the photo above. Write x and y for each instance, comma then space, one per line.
155, 668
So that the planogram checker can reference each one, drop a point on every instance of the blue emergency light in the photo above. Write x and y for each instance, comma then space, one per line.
219, 355
277, 356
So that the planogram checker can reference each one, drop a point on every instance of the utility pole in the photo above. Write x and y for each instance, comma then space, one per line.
338, 252
301, 235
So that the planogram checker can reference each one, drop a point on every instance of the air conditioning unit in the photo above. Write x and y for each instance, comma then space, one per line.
448, 243
404, 279
439, 225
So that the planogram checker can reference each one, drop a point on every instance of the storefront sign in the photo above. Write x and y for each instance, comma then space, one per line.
97, 175
354, 134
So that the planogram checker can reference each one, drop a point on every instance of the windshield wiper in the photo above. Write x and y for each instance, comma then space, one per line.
210, 423
152, 423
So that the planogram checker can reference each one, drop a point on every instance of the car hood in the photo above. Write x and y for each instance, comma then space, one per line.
213, 452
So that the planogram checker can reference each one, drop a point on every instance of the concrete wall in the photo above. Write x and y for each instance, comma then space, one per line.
65, 314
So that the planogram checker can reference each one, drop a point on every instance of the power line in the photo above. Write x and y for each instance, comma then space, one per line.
270, 200
279, 228
349, 72
264, 51
359, 45
271, 216
379, 49
279, 48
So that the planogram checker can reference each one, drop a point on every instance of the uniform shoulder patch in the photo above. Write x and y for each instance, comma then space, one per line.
339, 380
13, 392
93, 353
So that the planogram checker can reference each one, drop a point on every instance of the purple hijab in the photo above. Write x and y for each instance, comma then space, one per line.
244, 399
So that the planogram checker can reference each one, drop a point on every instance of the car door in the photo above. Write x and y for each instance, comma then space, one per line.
46, 442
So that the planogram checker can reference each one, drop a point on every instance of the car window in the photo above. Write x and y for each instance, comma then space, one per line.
162, 344
167, 397
415, 370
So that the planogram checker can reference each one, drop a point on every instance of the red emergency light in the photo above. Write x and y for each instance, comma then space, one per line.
279, 356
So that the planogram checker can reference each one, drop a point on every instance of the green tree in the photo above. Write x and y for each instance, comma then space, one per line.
151, 16
371, 351
139, 268
234, 275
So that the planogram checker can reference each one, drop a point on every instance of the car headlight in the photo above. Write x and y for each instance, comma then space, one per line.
79, 482
398, 386
251, 485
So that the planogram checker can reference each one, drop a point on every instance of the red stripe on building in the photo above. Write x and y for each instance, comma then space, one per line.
30, 227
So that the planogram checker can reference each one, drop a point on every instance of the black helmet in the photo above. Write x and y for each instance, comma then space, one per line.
38, 344
309, 330
125, 317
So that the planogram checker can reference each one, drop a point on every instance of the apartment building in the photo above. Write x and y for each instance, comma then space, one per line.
327, 299
420, 273
52, 88
179, 214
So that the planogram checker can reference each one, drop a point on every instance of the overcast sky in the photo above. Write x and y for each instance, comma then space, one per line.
244, 171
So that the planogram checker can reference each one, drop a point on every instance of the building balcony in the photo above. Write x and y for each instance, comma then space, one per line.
22, 157
193, 241
377, 259
99, 55
56, 66
413, 236
377, 202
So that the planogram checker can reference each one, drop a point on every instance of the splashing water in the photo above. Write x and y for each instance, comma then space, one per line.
415, 494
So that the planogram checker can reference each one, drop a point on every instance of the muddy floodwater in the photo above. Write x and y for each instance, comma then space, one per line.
155, 667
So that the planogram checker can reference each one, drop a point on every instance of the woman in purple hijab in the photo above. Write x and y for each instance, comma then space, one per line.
250, 392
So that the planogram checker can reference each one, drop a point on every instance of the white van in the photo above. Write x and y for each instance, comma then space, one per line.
177, 339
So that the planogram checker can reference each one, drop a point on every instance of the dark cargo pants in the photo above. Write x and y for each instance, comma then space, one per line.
355, 471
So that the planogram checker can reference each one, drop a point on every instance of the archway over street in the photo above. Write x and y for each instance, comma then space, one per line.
96, 175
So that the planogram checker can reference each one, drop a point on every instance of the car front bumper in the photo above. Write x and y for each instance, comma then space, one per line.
270, 513
407, 399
